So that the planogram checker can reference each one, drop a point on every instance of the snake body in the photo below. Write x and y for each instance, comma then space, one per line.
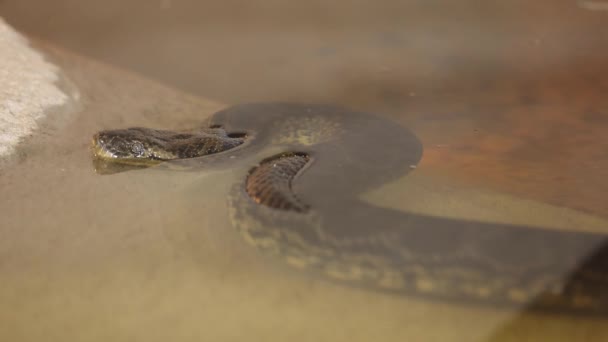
297, 197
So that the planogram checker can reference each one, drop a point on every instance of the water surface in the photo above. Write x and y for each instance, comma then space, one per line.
508, 101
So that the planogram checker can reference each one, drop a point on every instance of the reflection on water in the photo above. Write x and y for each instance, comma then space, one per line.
515, 108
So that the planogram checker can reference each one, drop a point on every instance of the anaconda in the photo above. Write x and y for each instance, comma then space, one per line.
297, 197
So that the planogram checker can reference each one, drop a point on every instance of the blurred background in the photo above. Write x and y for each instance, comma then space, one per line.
348, 51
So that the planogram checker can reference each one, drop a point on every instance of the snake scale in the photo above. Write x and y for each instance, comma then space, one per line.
303, 167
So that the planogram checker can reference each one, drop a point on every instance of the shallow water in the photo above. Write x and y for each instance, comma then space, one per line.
511, 118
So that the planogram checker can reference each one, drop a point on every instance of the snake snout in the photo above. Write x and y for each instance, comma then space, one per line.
114, 144
100, 146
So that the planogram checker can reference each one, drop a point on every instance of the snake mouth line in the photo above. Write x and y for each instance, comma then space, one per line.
270, 183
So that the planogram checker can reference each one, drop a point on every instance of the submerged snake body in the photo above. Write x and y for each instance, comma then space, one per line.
300, 201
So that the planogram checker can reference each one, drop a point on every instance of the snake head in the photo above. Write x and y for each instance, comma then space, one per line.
129, 146
147, 147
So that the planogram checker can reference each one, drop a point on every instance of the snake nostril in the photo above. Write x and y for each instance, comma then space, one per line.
99, 138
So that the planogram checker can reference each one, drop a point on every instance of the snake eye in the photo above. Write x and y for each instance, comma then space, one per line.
137, 148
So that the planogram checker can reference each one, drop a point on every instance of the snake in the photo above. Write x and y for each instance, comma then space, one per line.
300, 170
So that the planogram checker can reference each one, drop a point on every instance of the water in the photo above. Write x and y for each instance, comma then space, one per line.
511, 116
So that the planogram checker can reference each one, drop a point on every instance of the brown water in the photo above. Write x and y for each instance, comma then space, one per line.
507, 99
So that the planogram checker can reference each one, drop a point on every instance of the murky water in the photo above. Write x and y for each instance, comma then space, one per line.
508, 101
